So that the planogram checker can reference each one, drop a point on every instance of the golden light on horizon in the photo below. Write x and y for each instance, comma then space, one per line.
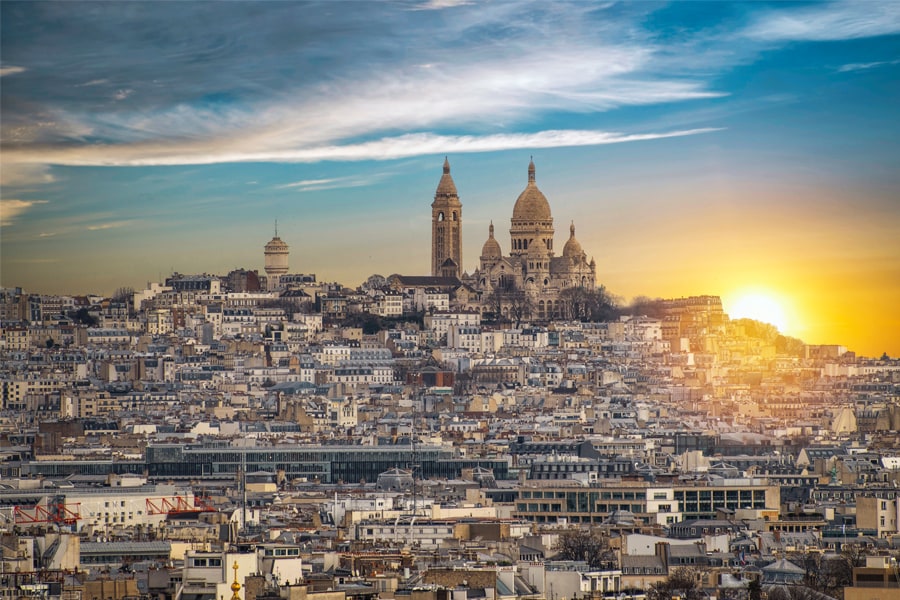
759, 305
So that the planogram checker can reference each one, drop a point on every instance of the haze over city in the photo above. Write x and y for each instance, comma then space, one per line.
747, 150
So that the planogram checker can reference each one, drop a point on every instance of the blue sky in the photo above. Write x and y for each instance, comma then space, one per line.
688, 141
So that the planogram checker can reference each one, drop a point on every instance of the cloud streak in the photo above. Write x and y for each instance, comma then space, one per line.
20, 175
10, 70
850, 67
334, 183
11, 209
440, 4
388, 148
828, 22
108, 225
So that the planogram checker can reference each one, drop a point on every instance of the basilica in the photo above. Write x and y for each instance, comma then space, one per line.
531, 267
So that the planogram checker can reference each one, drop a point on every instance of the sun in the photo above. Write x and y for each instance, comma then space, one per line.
760, 307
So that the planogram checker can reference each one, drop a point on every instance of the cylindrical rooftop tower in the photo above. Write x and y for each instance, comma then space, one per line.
277, 253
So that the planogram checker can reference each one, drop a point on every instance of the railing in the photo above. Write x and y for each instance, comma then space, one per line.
849, 532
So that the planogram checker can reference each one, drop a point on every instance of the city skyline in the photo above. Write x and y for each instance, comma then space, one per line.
729, 149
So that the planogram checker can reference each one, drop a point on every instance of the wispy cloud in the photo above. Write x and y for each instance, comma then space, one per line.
309, 185
426, 144
827, 21
440, 4
18, 175
849, 67
511, 64
92, 83
388, 148
10, 209
501, 92
10, 70
108, 225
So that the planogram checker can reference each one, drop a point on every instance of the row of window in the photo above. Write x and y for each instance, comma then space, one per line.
592, 496
206, 562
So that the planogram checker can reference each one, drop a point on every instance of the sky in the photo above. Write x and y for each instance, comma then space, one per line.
734, 149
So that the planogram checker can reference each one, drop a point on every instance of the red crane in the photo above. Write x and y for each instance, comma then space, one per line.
173, 505
57, 513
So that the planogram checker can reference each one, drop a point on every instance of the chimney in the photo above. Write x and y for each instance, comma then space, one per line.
662, 551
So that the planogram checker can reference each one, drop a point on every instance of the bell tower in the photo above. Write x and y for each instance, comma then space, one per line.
446, 228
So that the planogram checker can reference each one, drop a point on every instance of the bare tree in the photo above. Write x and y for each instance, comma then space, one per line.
589, 304
643, 305
681, 582
509, 302
123, 295
791, 592
588, 545
828, 574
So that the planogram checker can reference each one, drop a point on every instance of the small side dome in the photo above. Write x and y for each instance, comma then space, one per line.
572, 249
491, 248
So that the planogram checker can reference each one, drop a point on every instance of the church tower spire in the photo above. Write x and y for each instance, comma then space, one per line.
446, 228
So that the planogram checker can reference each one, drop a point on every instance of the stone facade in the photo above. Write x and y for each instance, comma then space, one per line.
446, 228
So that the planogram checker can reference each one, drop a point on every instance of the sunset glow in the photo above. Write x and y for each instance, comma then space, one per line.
759, 306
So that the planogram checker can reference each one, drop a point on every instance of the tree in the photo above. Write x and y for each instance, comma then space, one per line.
791, 346
372, 325
83, 316
791, 592
588, 304
681, 583
574, 302
586, 545
646, 306
754, 590
509, 303
829, 574
123, 295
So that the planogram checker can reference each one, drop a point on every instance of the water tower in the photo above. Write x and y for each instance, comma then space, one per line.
276, 259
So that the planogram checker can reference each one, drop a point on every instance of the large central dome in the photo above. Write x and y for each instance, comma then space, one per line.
531, 205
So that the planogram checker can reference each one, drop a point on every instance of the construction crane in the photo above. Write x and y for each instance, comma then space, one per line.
174, 505
57, 512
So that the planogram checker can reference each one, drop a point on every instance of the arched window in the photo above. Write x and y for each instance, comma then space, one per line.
441, 216
454, 215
